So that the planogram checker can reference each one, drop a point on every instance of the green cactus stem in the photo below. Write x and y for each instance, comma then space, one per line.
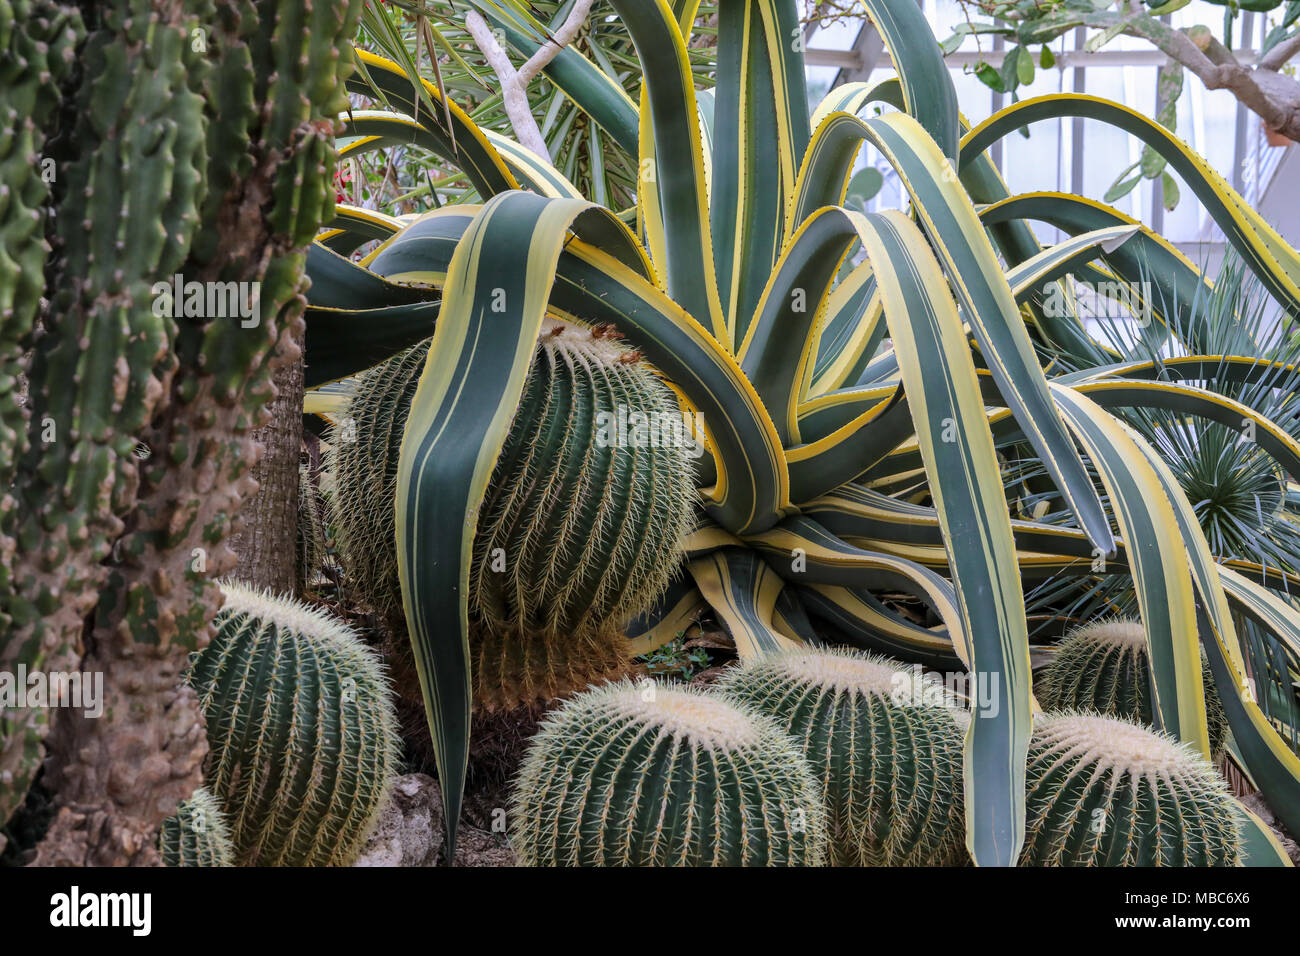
196, 835
647, 775
581, 526
1108, 792
1105, 667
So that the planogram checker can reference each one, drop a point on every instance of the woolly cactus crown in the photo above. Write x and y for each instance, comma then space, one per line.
1105, 667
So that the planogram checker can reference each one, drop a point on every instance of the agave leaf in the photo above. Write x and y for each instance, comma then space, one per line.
1269, 256
494, 302
1161, 574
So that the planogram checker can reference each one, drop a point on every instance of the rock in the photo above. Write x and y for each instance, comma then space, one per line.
406, 834
410, 832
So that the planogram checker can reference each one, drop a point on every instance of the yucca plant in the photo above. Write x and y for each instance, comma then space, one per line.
838, 478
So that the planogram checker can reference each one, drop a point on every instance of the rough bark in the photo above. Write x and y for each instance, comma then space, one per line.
266, 544
132, 766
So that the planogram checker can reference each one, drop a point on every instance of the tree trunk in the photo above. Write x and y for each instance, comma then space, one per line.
134, 764
267, 541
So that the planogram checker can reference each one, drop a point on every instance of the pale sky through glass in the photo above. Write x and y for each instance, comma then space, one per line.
1207, 120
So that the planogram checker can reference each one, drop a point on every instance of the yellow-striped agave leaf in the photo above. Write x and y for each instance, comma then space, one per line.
1161, 574
743, 591
947, 411
672, 163
1274, 764
463, 143
962, 246
1268, 255
760, 131
494, 302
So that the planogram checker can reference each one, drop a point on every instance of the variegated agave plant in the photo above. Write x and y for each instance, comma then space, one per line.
840, 474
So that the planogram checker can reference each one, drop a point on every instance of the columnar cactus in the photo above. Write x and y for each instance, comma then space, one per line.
888, 758
645, 775
1108, 792
194, 141
1105, 667
37, 42
300, 728
581, 525
196, 835
127, 196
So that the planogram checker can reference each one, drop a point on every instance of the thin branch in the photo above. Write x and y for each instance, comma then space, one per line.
514, 83
1277, 57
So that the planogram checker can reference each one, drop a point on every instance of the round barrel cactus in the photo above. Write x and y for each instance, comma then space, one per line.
1102, 791
300, 728
887, 752
1105, 668
581, 526
646, 775
196, 835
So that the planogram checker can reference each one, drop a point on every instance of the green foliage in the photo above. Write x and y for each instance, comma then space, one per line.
646, 775
887, 759
196, 835
1105, 668
588, 154
827, 500
675, 661
1107, 792
301, 731
579, 531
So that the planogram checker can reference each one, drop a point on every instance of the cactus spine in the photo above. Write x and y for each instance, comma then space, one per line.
577, 534
197, 834
651, 776
300, 728
1105, 667
889, 761
1108, 792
